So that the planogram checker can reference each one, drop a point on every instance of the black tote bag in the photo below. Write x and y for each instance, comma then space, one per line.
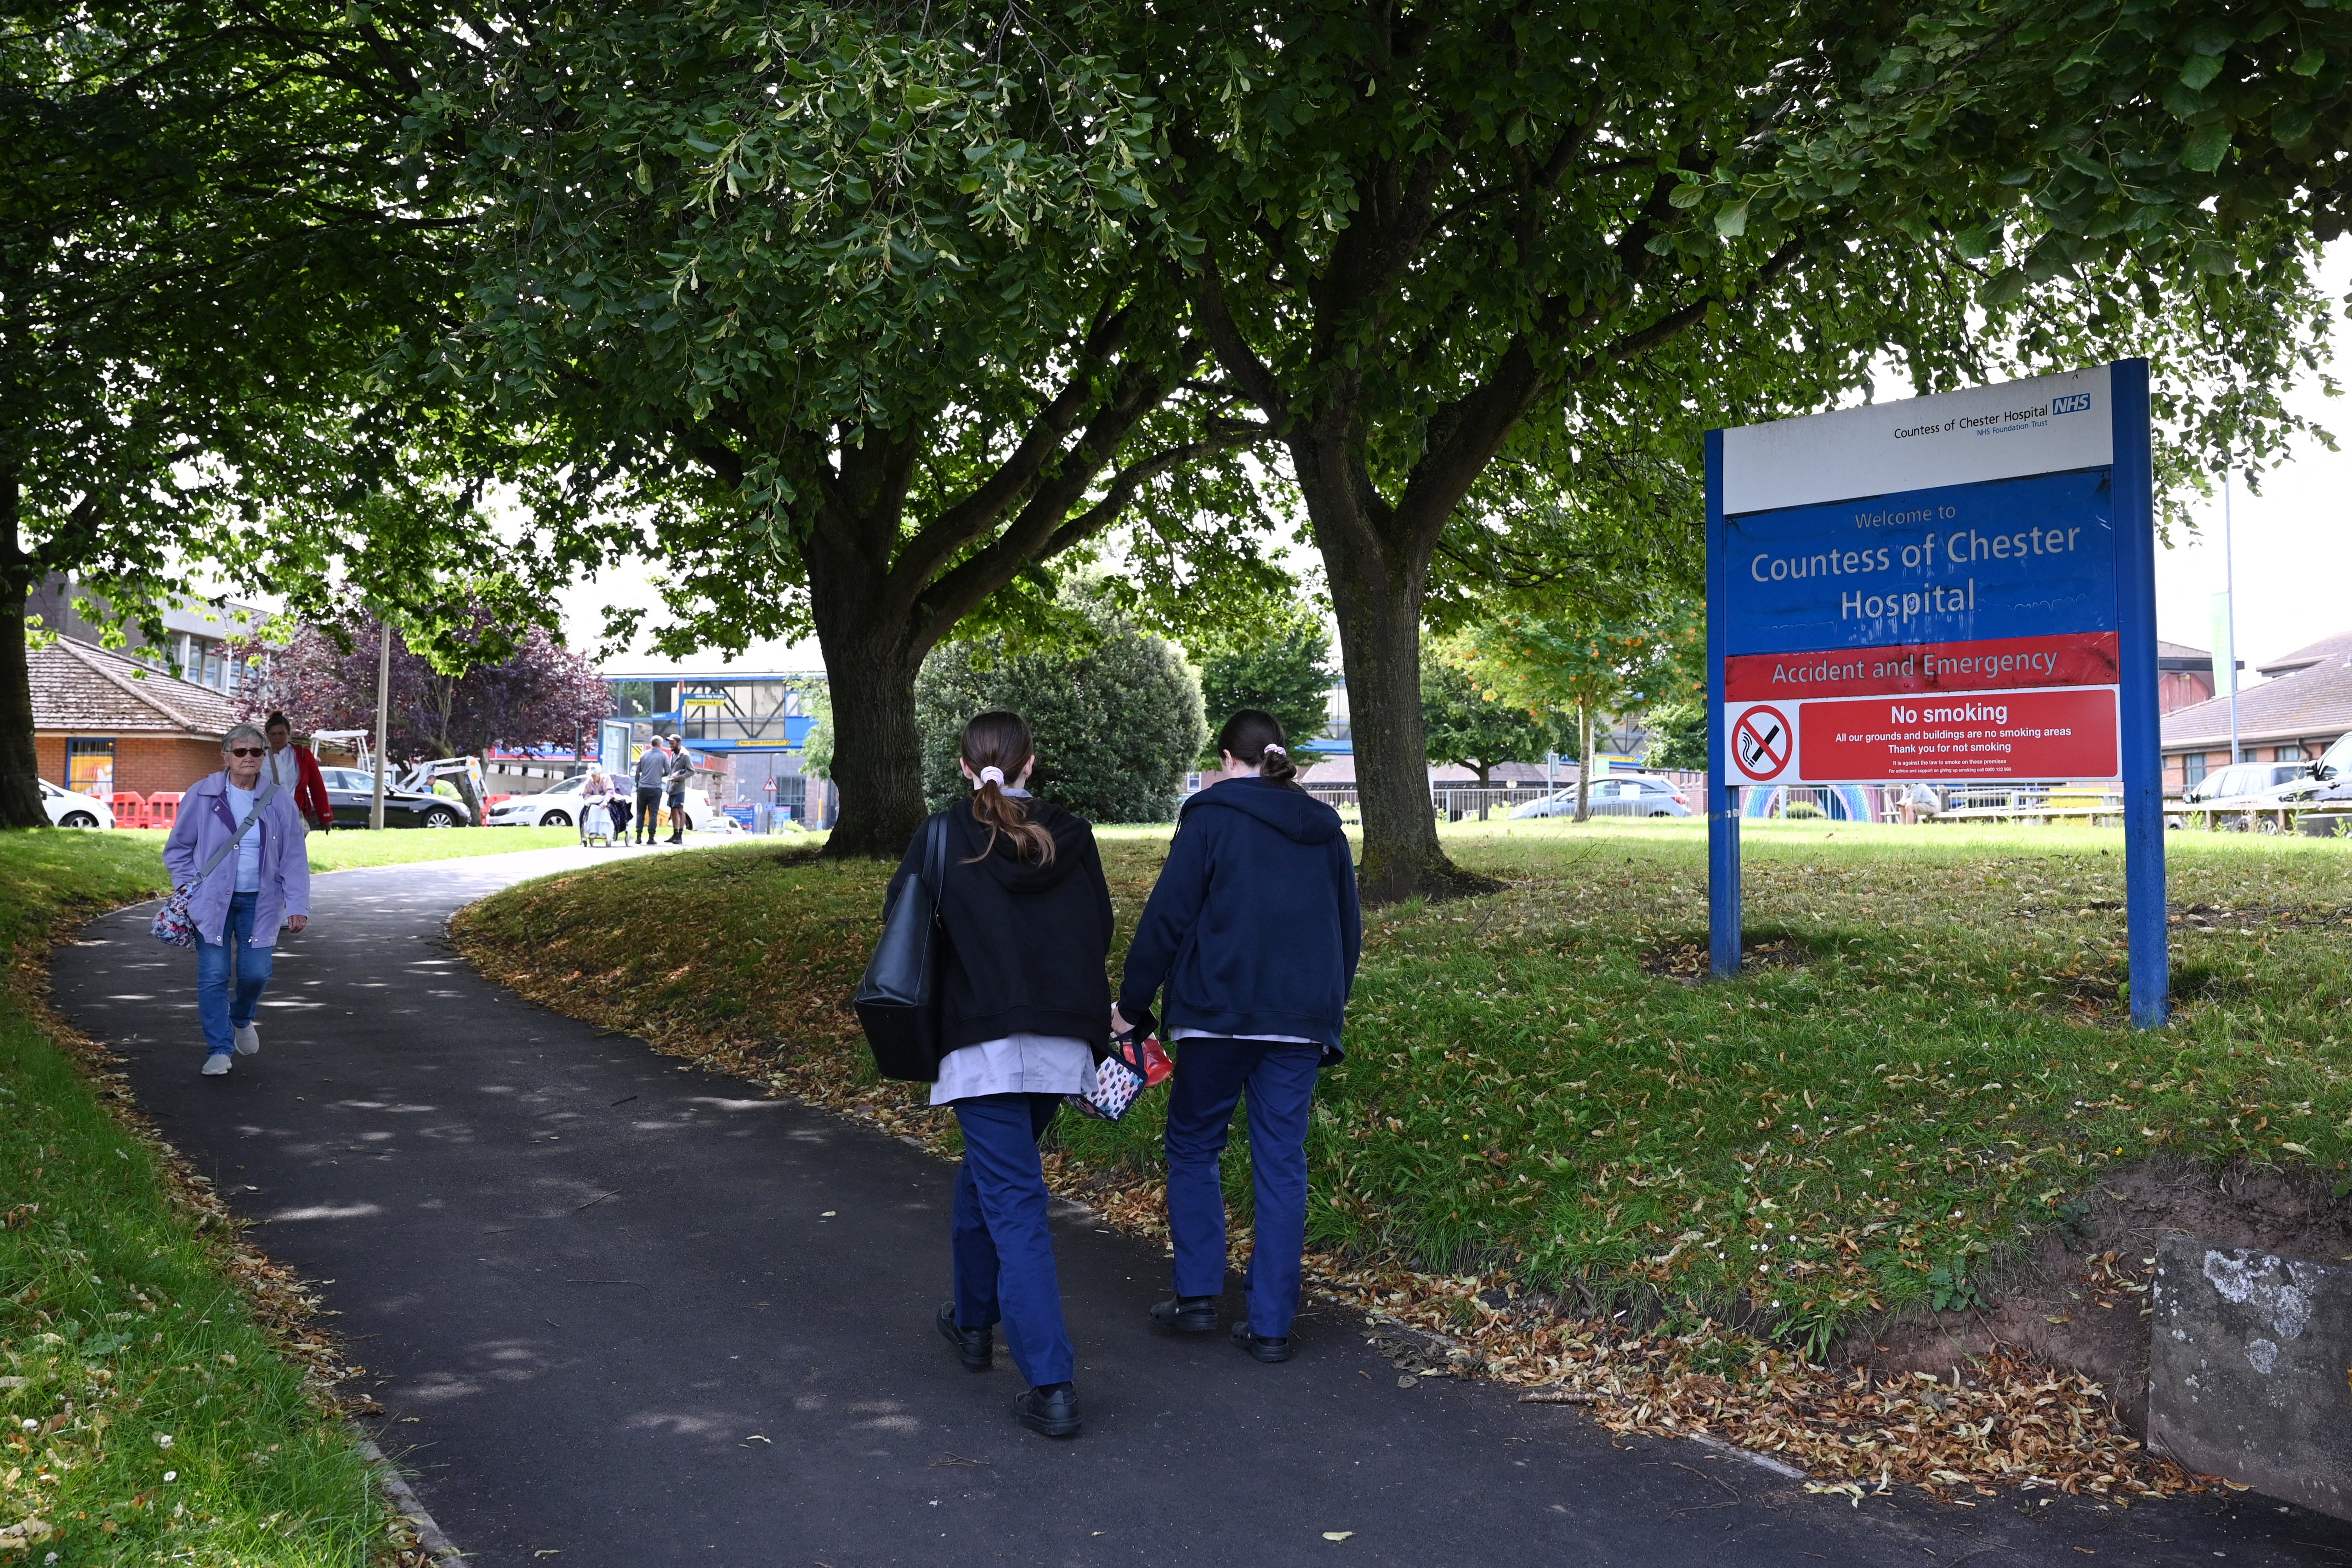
897, 1001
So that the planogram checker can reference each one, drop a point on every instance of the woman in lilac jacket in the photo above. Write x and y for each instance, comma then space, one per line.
261, 883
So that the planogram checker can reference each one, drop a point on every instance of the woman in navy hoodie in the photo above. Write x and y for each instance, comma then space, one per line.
1022, 990
1254, 932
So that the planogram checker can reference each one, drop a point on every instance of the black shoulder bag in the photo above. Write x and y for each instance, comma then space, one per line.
897, 1001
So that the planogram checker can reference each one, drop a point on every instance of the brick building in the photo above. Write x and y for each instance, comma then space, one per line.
203, 640
2184, 676
104, 723
2300, 709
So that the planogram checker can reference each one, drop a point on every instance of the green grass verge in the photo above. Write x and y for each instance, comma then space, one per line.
348, 849
145, 1416
1929, 1062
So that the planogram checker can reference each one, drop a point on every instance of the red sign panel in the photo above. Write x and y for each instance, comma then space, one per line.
2066, 734
2063, 658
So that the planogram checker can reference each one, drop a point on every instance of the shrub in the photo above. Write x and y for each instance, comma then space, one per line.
1117, 712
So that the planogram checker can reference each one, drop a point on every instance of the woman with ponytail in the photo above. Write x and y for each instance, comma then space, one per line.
1023, 996
1253, 931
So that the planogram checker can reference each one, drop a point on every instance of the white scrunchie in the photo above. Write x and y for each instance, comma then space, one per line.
1276, 751
989, 776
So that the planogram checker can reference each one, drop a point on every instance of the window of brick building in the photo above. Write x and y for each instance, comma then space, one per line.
2192, 768
90, 767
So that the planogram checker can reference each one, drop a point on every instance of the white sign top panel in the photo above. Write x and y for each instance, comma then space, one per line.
2044, 425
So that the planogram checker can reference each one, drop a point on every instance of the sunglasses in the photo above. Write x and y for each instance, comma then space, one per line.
247, 751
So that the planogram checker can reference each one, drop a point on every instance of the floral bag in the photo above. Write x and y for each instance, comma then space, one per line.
1135, 1063
174, 926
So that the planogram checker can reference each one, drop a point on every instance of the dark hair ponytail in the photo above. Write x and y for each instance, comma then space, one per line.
1000, 740
1254, 736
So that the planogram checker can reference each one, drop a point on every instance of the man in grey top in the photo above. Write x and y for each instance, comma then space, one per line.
652, 770
681, 774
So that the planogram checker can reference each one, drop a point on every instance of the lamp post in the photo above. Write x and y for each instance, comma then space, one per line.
2230, 586
382, 717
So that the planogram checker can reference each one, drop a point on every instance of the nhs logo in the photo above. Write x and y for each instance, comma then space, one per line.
2071, 403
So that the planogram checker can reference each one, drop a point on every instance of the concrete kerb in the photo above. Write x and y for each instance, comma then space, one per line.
429, 1533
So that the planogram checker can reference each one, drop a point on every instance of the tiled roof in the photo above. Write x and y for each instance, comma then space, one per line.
2181, 650
2338, 646
94, 691
2312, 704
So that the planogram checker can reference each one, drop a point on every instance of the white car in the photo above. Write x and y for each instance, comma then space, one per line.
557, 805
68, 809
1619, 795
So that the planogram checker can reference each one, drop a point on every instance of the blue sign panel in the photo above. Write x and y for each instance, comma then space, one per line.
2008, 558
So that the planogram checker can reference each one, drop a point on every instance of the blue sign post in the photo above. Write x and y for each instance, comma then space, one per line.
1958, 588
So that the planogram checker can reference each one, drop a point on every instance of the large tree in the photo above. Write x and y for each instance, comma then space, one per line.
1471, 725
209, 243
530, 691
848, 313
1420, 232
1572, 671
1275, 659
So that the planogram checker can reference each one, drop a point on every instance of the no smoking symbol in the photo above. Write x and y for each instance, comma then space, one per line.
1760, 741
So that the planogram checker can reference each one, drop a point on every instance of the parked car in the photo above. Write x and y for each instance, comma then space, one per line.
2242, 780
68, 809
557, 805
1620, 795
351, 792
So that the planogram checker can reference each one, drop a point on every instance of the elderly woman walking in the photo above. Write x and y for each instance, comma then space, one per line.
239, 839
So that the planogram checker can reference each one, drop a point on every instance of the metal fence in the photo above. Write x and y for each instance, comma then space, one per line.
1886, 802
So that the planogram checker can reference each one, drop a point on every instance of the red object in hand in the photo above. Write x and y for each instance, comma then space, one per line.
1157, 1067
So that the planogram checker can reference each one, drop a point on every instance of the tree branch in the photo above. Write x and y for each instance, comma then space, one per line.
1249, 372
940, 539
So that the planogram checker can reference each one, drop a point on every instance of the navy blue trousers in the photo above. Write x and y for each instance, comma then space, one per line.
1279, 1080
1003, 1253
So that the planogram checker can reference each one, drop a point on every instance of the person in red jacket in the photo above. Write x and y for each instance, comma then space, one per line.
292, 767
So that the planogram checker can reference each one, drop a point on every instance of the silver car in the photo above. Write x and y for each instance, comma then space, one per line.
2240, 780
1620, 795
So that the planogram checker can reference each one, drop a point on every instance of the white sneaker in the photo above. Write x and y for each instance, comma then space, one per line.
216, 1065
248, 1041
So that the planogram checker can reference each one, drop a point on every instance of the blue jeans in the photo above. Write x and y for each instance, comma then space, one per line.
220, 1010
1211, 1075
1003, 1253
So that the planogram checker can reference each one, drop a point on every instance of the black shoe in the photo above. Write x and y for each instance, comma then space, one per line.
1266, 1350
1053, 1410
1187, 1314
972, 1345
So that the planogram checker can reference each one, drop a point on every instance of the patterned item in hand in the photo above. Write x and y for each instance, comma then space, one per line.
1135, 1063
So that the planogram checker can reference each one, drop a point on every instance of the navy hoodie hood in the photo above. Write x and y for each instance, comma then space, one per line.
1252, 928
1295, 815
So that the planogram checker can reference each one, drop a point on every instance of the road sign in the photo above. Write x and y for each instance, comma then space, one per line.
1956, 588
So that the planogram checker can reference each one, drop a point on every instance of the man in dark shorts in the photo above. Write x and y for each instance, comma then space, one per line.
653, 772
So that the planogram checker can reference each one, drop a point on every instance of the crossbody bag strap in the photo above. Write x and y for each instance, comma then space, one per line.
221, 854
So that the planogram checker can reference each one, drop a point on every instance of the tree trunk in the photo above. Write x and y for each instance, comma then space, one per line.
878, 751
1376, 594
1584, 762
872, 655
20, 796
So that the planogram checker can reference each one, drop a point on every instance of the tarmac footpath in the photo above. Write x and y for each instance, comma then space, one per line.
623, 1314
